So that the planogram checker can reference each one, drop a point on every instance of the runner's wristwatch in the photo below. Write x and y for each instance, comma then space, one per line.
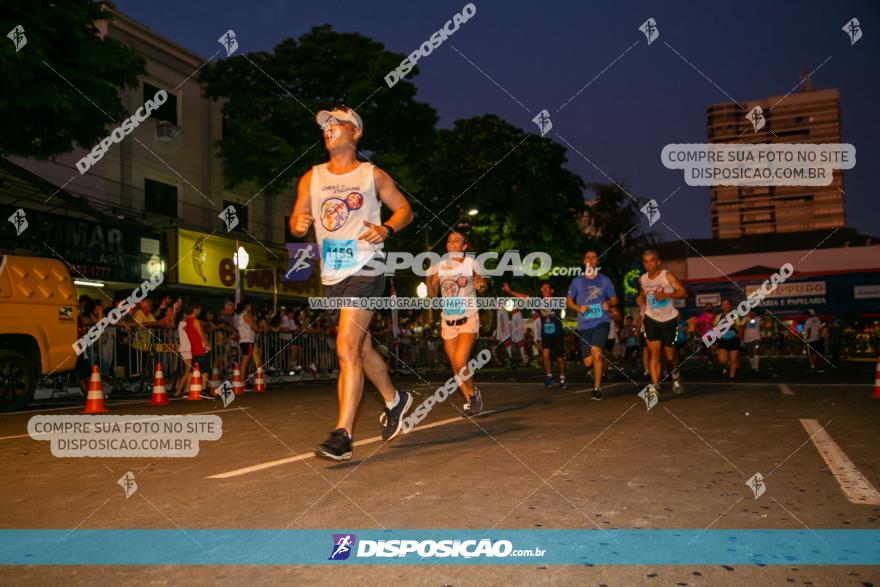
389, 229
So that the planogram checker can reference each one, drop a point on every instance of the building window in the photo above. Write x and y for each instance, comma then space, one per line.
241, 212
168, 110
160, 198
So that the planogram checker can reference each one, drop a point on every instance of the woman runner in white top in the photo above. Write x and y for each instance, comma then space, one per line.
457, 280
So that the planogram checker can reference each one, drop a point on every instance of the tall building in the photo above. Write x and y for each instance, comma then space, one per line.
806, 116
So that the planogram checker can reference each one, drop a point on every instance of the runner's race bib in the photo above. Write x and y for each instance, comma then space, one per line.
593, 311
453, 306
549, 328
338, 254
655, 303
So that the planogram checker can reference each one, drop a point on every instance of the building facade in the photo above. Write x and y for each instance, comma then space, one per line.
806, 116
835, 275
158, 187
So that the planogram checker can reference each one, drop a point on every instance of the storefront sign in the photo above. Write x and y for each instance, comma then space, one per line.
93, 250
863, 292
794, 290
207, 260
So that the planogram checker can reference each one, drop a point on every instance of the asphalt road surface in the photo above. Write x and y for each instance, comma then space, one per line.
536, 460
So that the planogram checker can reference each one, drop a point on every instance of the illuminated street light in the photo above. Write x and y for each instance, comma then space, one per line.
241, 258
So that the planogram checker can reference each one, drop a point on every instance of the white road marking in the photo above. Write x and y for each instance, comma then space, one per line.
786, 390
854, 485
770, 383
310, 454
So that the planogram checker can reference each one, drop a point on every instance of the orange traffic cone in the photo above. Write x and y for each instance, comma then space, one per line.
159, 396
95, 397
259, 382
214, 383
195, 384
237, 389
876, 393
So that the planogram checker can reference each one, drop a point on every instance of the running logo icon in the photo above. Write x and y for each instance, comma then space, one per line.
229, 42
19, 221
225, 393
854, 30
649, 28
128, 484
229, 217
650, 396
342, 546
756, 117
16, 35
651, 211
757, 485
302, 257
543, 121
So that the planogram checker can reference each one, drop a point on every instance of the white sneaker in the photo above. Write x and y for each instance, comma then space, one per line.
677, 387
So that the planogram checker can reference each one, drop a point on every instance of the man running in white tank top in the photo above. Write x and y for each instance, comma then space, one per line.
343, 198
658, 288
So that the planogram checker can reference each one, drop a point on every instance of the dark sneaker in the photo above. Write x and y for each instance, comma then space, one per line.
562, 383
392, 418
548, 381
475, 405
335, 448
597, 394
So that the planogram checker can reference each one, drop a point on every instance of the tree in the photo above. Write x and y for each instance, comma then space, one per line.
42, 114
271, 99
613, 222
516, 180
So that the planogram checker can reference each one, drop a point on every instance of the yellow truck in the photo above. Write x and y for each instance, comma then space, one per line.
38, 316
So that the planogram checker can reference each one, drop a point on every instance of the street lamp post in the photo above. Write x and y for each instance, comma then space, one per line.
240, 259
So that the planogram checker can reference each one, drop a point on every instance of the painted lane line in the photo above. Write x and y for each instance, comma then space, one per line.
310, 454
854, 485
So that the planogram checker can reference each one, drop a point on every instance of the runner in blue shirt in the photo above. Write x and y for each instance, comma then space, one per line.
592, 296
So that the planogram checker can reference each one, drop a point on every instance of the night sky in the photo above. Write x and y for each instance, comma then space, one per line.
543, 53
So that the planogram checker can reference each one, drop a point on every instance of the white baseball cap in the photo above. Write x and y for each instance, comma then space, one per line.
340, 112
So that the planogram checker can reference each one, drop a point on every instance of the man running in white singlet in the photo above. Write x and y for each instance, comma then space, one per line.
658, 287
457, 279
343, 198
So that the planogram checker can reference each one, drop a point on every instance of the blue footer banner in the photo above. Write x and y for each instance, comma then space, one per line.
439, 547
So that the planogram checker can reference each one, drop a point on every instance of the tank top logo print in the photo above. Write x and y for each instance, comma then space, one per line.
335, 211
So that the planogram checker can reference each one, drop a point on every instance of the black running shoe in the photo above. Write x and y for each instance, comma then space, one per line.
475, 405
337, 447
392, 418
597, 394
